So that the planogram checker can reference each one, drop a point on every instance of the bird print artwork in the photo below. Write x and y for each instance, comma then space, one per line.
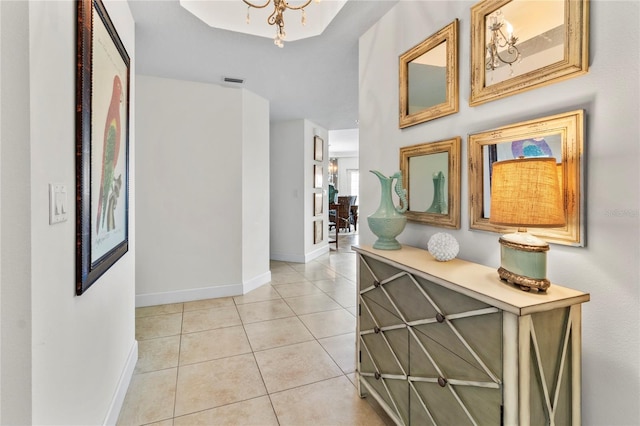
110, 152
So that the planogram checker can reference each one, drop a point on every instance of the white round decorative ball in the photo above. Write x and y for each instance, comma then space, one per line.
443, 246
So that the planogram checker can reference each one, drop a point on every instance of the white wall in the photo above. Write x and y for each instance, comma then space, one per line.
345, 164
608, 266
66, 359
15, 222
292, 190
286, 190
192, 140
255, 191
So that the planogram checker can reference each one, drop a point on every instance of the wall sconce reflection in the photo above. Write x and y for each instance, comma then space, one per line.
501, 48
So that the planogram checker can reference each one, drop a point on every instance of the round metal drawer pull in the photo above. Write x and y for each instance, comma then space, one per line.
442, 381
377, 376
440, 318
376, 329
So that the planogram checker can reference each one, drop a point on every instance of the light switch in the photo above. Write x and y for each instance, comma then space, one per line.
58, 208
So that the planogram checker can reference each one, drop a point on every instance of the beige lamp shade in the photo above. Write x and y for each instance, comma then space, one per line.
526, 193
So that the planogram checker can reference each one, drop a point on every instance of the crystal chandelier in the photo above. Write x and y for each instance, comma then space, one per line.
499, 41
277, 18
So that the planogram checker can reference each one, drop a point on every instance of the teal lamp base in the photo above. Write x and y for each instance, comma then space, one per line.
523, 261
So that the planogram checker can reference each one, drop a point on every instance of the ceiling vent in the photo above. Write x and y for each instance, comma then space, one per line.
231, 80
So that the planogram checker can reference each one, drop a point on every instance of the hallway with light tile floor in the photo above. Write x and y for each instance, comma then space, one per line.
283, 354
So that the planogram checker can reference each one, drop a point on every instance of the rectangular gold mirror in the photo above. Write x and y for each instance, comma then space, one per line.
559, 136
429, 78
431, 176
519, 45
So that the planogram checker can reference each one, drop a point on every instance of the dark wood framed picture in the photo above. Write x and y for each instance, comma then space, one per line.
317, 231
102, 145
318, 148
318, 200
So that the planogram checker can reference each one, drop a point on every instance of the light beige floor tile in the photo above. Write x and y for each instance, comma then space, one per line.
345, 297
311, 303
168, 422
147, 311
297, 289
157, 354
338, 283
311, 267
158, 326
265, 292
223, 302
278, 265
329, 323
285, 277
257, 411
279, 332
263, 311
214, 383
320, 274
342, 349
213, 344
295, 365
207, 319
329, 402
352, 377
150, 398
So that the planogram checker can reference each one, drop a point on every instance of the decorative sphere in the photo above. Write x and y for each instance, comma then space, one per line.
443, 246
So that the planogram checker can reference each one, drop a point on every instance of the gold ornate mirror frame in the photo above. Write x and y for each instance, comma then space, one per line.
574, 63
448, 35
451, 147
568, 130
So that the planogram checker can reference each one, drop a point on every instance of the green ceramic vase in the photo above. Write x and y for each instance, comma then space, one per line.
388, 221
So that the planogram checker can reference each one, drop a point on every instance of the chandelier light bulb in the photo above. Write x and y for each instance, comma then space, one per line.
509, 30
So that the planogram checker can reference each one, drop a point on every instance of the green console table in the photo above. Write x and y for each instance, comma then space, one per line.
448, 343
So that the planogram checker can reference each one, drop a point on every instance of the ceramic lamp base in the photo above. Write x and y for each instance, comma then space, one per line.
523, 261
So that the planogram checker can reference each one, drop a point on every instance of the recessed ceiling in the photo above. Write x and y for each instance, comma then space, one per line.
231, 15
315, 78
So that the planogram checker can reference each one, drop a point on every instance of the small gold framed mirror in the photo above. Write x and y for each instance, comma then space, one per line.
559, 136
519, 45
429, 78
431, 176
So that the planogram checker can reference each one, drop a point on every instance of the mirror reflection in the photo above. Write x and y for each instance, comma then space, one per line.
428, 180
431, 176
428, 79
559, 136
523, 36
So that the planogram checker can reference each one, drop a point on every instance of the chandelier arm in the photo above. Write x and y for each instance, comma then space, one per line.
257, 6
297, 7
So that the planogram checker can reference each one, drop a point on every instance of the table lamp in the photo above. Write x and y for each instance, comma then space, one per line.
525, 192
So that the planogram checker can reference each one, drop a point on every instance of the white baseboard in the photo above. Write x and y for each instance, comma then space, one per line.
123, 385
300, 258
287, 257
256, 282
189, 295
316, 253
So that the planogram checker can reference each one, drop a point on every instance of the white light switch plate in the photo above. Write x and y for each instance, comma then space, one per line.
58, 208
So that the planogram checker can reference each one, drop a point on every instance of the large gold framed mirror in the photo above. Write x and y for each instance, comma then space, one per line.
559, 136
429, 78
519, 45
431, 176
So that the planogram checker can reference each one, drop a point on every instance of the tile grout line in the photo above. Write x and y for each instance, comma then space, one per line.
253, 354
